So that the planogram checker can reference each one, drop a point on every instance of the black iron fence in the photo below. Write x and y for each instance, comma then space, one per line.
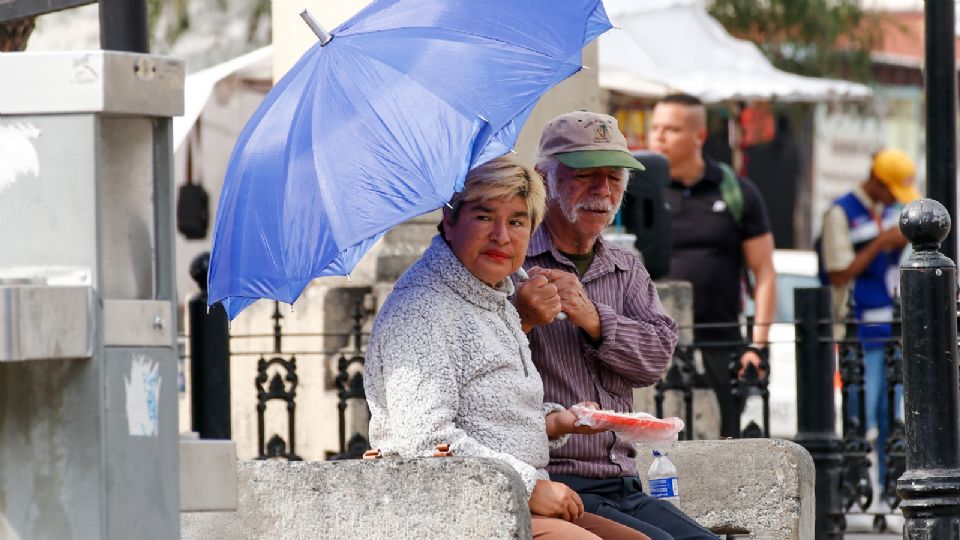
854, 450
277, 380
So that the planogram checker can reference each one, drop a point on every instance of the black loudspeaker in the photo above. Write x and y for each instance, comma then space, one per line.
646, 213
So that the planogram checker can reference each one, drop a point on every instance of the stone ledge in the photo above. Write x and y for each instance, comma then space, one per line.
764, 487
388, 498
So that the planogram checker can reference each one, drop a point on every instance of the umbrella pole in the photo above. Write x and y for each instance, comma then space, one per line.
314, 25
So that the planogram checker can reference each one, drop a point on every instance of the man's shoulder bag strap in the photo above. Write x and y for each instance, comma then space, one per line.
732, 196
731, 193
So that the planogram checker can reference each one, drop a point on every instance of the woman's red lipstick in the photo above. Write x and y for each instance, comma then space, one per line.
496, 254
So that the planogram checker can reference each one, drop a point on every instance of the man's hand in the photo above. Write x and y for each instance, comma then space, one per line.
574, 301
892, 239
555, 500
562, 423
750, 357
537, 300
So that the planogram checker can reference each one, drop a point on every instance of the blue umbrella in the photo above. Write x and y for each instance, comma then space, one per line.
379, 125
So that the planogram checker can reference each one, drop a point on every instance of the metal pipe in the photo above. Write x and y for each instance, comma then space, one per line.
123, 26
930, 487
816, 419
315, 25
940, 81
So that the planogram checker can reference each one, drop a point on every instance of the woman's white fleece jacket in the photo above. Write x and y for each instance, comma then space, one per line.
447, 362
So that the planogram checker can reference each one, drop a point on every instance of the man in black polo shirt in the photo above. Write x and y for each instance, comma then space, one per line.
711, 246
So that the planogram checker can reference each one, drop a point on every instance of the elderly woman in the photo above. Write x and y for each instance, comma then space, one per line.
448, 362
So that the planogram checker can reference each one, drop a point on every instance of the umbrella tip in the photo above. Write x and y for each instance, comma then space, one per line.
314, 25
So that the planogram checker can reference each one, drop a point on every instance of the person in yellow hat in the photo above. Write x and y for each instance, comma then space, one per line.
860, 249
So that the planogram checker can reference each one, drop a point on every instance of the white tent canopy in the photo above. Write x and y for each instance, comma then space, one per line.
663, 46
198, 87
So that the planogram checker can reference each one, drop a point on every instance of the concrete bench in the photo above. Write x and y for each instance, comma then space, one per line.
760, 487
393, 499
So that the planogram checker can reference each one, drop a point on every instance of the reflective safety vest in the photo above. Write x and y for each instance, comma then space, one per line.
872, 289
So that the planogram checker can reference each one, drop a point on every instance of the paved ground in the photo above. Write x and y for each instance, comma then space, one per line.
860, 528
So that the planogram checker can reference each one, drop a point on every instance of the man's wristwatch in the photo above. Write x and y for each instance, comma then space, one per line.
759, 348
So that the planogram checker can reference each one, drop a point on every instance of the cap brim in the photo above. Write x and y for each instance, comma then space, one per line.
588, 159
904, 194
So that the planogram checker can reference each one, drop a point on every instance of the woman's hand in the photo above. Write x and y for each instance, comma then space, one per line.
580, 310
555, 500
537, 301
561, 423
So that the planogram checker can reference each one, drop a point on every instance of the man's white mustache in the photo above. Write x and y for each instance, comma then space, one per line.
595, 206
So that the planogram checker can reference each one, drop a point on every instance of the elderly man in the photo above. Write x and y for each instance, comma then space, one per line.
713, 244
615, 336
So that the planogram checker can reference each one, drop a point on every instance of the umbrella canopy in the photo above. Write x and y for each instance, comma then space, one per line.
378, 126
664, 46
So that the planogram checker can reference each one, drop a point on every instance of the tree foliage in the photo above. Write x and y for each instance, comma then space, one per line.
169, 20
830, 38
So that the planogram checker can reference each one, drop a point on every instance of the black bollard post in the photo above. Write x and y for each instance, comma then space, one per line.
209, 359
930, 487
816, 418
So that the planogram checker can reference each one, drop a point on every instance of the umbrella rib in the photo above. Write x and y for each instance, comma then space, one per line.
288, 150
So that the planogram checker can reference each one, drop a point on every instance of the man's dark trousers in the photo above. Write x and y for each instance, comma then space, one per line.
623, 500
716, 371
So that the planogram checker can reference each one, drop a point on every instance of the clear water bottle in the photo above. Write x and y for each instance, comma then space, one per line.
663, 479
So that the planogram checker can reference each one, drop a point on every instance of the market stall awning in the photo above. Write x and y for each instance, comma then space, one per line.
663, 46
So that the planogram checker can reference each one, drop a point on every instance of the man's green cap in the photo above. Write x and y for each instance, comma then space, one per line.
584, 140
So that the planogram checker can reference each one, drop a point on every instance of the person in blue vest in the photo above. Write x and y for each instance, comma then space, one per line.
860, 250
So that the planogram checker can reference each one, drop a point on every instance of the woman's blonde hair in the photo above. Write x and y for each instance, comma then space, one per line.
501, 178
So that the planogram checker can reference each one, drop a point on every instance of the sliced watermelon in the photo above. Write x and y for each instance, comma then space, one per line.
638, 426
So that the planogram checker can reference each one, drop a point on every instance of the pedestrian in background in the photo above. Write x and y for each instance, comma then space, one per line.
720, 229
860, 248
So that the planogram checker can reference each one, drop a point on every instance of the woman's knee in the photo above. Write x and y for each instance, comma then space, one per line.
609, 529
545, 528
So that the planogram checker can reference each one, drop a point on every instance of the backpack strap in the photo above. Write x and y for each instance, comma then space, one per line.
732, 196
731, 193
